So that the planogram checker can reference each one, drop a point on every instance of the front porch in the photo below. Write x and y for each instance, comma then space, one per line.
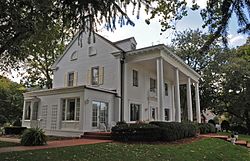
169, 72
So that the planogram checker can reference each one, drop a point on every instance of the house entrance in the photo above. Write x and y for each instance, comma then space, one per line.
99, 114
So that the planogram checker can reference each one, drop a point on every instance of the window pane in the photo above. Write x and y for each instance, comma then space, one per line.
166, 89
35, 111
95, 75
134, 112
27, 110
63, 108
71, 79
153, 113
135, 78
152, 85
166, 112
77, 109
95, 106
71, 109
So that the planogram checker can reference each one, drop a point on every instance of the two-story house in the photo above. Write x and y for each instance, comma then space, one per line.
104, 82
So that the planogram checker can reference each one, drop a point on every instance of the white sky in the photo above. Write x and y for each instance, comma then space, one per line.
148, 35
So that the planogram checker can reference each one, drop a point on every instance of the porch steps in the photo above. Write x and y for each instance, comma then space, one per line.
97, 135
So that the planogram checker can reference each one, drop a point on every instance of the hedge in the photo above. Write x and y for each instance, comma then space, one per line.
206, 128
14, 130
135, 132
239, 128
171, 131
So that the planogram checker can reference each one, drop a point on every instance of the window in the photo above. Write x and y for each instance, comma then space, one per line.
71, 79
166, 114
99, 113
27, 111
134, 112
35, 111
153, 113
95, 75
73, 56
71, 109
166, 89
135, 78
152, 85
92, 51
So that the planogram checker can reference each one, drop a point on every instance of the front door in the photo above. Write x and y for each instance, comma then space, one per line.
99, 114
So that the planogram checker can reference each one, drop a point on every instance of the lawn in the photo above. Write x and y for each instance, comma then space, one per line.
7, 144
203, 150
241, 137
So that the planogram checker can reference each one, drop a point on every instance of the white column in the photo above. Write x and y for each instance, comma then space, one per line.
160, 88
126, 105
24, 106
31, 110
177, 96
173, 103
197, 101
189, 100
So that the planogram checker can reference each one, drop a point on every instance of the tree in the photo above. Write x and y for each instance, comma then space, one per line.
42, 49
186, 45
11, 100
19, 19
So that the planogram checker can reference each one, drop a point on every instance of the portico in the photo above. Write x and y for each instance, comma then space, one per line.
159, 63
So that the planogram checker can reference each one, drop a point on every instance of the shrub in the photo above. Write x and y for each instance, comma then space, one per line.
17, 122
171, 131
239, 128
225, 125
121, 123
212, 122
206, 128
14, 130
135, 132
33, 136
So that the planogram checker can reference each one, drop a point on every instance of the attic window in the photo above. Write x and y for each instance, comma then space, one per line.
92, 51
73, 56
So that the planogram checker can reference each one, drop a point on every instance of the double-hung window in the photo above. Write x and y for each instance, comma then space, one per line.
95, 75
166, 114
135, 112
71, 109
152, 85
71, 79
135, 78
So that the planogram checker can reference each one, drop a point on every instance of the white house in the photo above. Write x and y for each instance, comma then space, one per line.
104, 82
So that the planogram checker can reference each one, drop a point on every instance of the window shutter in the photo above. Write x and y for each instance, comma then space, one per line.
75, 78
89, 77
65, 80
101, 75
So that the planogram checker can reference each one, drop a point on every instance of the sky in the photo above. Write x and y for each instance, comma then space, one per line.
148, 35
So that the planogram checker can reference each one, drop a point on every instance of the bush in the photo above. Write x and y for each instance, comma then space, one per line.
212, 122
17, 122
171, 131
135, 132
225, 125
33, 136
14, 130
206, 128
239, 128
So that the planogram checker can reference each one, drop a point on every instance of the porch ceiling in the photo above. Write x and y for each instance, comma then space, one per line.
169, 70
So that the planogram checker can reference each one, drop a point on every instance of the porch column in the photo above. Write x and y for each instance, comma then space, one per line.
24, 106
189, 100
160, 88
197, 101
177, 96
173, 103
125, 109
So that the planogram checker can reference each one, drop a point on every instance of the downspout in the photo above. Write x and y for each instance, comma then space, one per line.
122, 59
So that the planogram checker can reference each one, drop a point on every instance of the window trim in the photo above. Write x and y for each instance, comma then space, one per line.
68, 79
140, 111
66, 108
74, 56
92, 75
135, 78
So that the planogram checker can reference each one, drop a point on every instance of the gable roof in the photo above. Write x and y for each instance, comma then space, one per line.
119, 41
73, 41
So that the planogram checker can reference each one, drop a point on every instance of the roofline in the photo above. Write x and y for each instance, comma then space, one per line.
165, 48
125, 40
72, 42
69, 89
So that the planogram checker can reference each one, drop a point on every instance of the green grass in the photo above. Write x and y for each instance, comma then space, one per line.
241, 137
203, 150
7, 144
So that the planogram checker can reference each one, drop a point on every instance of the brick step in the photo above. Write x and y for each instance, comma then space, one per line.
99, 137
98, 133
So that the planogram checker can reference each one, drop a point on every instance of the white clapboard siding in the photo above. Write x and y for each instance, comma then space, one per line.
89, 77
